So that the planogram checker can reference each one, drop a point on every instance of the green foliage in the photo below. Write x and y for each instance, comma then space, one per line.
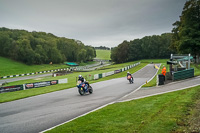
42, 48
149, 47
186, 32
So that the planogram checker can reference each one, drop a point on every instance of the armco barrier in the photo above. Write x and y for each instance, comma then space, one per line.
101, 75
11, 88
96, 76
18, 75
32, 85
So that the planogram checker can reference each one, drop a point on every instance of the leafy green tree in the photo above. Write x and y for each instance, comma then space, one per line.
40, 47
113, 55
5, 43
40, 55
25, 54
122, 53
82, 55
90, 54
135, 50
186, 32
149, 47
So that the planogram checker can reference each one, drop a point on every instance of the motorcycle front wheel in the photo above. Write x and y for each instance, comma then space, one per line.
81, 91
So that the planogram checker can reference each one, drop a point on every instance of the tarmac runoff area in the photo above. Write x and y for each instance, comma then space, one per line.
152, 91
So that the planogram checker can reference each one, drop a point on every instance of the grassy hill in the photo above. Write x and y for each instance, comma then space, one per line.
103, 54
10, 67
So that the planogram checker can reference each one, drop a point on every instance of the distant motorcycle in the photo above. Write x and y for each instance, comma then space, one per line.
130, 78
81, 87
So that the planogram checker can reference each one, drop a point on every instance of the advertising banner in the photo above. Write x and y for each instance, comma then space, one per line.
117, 71
40, 84
11, 88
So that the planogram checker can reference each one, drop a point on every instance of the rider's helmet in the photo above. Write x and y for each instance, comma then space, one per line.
127, 72
80, 76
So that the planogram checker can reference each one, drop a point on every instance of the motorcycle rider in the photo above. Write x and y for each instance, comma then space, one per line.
128, 74
80, 77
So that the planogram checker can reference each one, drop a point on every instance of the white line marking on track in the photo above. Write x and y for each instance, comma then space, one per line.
78, 117
159, 93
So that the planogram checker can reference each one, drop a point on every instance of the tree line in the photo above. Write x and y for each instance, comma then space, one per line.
186, 31
149, 47
42, 48
102, 48
184, 39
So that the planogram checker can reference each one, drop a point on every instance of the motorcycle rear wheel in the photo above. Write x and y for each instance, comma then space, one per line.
131, 81
90, 90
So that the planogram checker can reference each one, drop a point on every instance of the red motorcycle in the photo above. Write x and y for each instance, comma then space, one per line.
130, 78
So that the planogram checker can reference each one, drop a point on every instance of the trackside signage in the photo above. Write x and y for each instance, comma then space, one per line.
28, 86
40, 84
11, 88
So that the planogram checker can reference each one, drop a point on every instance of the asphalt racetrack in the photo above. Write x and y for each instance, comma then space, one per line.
38, 113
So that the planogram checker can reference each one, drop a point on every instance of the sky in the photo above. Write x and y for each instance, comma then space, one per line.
93, 22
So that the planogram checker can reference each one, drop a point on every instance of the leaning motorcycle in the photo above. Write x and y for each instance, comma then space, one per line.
81, 87
130, 79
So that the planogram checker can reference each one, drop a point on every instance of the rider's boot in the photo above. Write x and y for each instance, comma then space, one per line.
86, 86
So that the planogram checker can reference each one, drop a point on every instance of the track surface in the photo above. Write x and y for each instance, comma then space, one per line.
41, 112
24, 78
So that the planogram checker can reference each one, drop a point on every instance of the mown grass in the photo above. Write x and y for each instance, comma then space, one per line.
196, 69
103, 54
162, 113
5, 97
10, 67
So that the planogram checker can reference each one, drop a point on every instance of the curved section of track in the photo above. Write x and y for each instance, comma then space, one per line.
41, 112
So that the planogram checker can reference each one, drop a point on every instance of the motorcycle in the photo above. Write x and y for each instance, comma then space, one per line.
81, 87
130, 78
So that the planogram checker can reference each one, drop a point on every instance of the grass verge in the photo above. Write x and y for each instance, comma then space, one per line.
10, 67
6, 97
164, 113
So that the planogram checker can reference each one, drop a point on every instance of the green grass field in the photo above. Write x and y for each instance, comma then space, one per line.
172, 112
103, 54
10, 67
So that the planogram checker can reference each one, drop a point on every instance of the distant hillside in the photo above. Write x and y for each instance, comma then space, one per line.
103, 54
10, 67
42, 48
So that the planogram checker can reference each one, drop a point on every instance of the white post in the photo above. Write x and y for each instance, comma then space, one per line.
189, 61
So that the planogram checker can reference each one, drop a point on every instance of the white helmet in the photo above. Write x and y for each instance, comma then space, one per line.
80, 76
127, 72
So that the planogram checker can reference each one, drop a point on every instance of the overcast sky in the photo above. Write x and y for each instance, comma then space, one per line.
94, 22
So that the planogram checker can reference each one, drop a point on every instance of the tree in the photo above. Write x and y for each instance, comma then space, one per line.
186, 32
122, 53
82, 55
90, 54
40, 47
113, 55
